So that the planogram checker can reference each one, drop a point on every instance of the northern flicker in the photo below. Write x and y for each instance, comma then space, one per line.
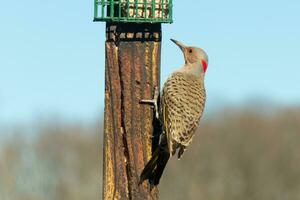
181, 107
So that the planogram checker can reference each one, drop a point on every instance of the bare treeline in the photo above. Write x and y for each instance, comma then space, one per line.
237, 154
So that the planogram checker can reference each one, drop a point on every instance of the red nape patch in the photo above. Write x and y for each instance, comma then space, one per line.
204, 65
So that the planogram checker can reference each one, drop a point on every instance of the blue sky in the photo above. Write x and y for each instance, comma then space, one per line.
52, 54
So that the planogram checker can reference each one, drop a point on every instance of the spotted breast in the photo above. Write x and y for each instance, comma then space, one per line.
182, 105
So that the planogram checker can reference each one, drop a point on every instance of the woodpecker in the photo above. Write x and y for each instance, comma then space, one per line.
181, 106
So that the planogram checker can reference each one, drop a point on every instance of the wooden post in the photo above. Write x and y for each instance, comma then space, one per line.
131, 73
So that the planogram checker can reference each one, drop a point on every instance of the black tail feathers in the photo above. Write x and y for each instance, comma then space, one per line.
155, 167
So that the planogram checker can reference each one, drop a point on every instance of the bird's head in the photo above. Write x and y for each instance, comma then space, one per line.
193, 55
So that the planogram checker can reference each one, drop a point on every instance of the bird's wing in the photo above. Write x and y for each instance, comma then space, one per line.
183, 102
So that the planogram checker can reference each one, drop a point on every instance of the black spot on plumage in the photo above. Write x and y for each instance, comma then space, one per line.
184, 97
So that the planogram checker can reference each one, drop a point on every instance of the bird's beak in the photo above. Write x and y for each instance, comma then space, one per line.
179, 44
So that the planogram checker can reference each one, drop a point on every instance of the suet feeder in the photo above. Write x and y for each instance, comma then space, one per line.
138, 11
132, 71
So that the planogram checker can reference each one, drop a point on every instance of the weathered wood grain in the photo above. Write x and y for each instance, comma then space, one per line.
132, 72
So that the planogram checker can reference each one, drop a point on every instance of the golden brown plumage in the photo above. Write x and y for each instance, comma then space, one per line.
181, 107
182, 104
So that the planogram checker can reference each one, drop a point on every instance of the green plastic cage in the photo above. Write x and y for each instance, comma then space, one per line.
138, 11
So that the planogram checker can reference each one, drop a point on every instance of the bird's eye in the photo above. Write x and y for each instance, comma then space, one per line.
191, 51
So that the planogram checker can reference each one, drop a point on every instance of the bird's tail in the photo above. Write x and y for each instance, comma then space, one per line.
155, 167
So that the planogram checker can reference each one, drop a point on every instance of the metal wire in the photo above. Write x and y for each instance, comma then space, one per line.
139, 11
